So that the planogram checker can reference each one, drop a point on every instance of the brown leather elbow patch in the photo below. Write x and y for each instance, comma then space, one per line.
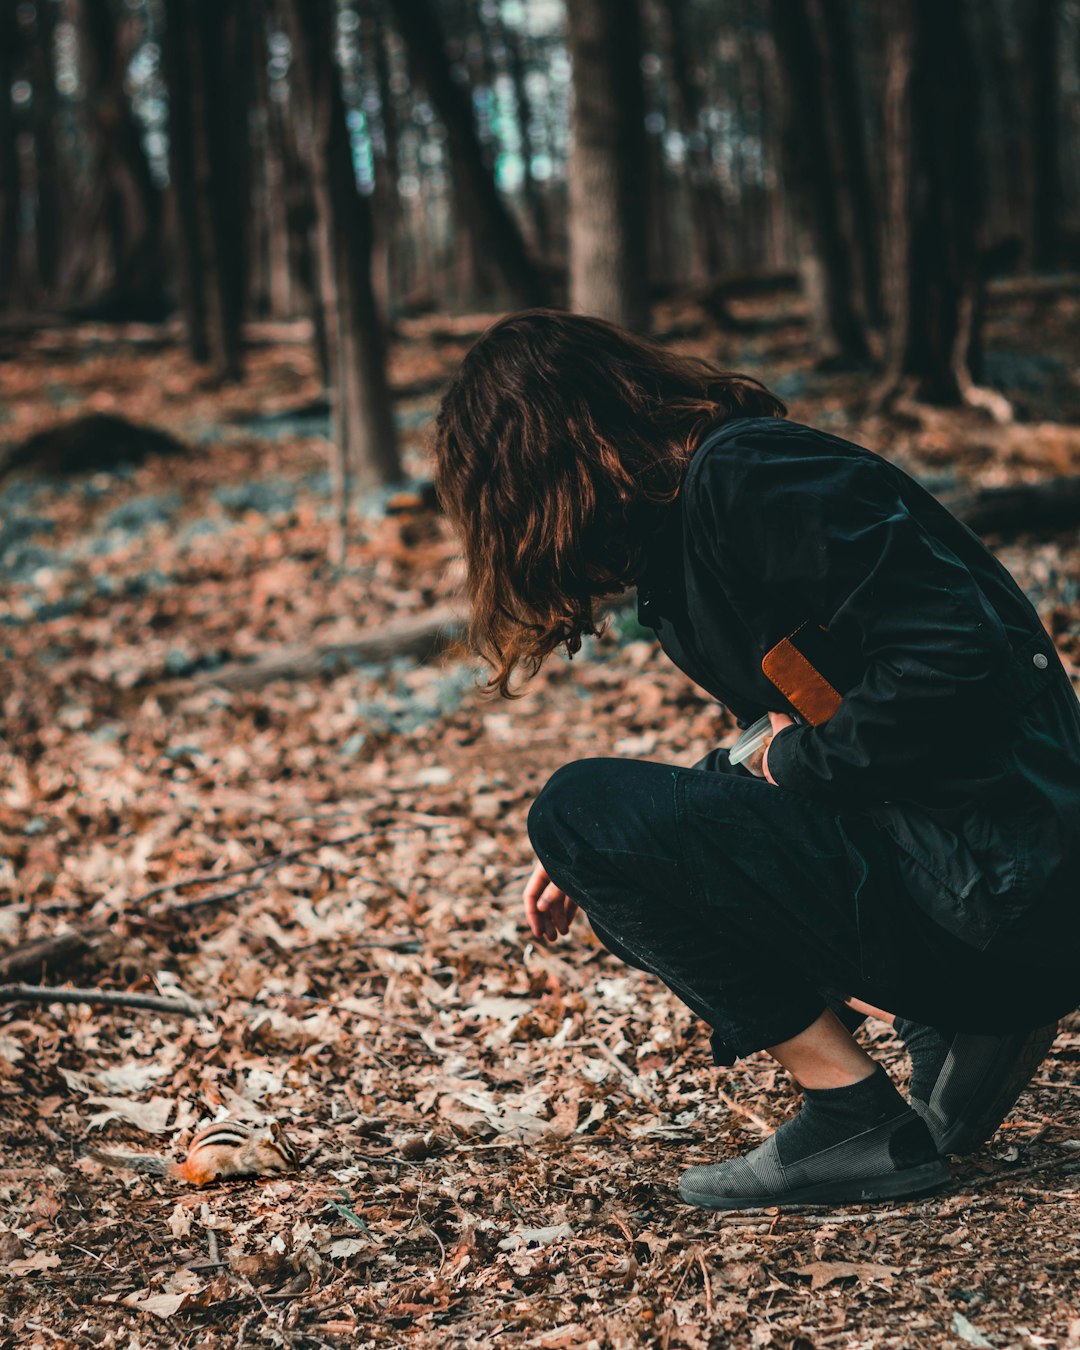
804, 686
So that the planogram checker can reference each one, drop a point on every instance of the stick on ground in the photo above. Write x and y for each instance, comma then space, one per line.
109, 998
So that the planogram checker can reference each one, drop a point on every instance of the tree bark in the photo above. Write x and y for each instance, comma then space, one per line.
934, 179
364, 426
9, 161
125, 198
606, 174
388, 219
535, 205
47, 213
209, 64
814, 177
855, 185
1045, 135
705, 200
498, 237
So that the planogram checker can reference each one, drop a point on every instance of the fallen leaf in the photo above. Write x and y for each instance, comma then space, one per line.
536, 1237
822, 1273
152, 1116
967, 1332
29, 1265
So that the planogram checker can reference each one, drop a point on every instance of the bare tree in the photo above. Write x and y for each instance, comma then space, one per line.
363, 410
607, 186
934, 203
9, 159
124, 206
1045, 131
209, 62
496, 231
813, 176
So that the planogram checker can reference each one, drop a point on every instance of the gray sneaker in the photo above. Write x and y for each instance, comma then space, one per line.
895, 1160
977, 1085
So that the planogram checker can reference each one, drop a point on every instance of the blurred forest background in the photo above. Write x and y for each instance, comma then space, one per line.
247, 779
360, 161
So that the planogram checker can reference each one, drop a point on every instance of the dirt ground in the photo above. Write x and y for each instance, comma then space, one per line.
491, 1131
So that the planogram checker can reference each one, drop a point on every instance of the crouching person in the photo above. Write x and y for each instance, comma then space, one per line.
903, 840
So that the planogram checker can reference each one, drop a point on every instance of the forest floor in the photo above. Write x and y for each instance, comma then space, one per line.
499, 1127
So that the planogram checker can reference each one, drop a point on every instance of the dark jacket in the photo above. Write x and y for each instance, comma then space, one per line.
954, 755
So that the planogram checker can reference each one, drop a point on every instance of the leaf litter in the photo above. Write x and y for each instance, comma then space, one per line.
492, 1129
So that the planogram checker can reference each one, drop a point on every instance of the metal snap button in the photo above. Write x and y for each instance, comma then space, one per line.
1040, 661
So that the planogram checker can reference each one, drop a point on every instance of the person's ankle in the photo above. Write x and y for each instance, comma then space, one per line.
829, 1077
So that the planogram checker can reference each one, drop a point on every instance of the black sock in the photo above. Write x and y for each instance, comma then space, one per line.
831, 1115
927, 1047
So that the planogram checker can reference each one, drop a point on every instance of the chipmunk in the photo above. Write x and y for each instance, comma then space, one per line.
227, 1148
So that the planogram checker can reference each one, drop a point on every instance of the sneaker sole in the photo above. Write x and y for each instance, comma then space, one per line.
986, 1112
904, 1185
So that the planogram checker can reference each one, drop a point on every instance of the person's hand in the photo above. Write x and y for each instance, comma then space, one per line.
779, 722
548, 910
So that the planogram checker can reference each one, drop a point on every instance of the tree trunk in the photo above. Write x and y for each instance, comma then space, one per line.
388, 218
498, 238
535, 206
854, 183
363, 411
125, 197
705, 199
179, 72
814, 178
934, 199
209, 67
606, 174
1045, 136
47, 214
9, 161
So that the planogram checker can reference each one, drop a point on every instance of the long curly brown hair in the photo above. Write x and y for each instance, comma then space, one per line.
558, 443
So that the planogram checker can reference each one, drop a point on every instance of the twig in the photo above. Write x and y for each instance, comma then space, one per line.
624, 1069
762, 1126
215, 898
708, 1285
110, 998
275, 860
1003, 1178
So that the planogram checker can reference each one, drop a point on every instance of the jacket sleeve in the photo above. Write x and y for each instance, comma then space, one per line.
809, 531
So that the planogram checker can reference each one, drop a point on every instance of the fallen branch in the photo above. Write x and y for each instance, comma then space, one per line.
269, 864
108, 998
32, 958
421, 637
1051, 504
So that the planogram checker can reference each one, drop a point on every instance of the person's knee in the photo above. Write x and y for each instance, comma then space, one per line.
571, 797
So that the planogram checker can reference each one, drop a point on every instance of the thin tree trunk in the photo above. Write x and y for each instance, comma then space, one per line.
128, 197
607, 209
498, 237
363, 411
1045, 135
814, 177
705, 200
849, 129
388, 218
535, 205
47, 216
180, 41
210, 99
934, 200
9, 160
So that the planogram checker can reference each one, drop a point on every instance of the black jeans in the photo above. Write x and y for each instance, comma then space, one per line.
741, 897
